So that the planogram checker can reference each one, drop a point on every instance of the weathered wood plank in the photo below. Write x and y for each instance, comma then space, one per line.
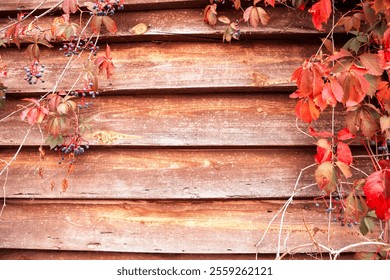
27, 5
173, 68
164, 174
216, 227
75, 255
188, 25
183, 120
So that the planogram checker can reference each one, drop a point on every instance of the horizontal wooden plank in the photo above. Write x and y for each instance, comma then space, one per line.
183, 120
164, 174
72, 255
27, 5
172, 67
188, 25
214, 227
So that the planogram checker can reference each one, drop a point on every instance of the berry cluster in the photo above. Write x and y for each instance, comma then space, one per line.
339, 209
384, 147
74, 46
84, 93
72, 148
34, 73
106, 7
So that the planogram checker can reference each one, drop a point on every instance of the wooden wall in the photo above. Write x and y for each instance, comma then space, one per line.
194, 147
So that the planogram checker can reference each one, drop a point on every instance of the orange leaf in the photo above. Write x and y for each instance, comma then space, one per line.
210, 14
326, 177
70, 6
110, 24
64, 185
372, 62
306, 110
70, 168
255, 16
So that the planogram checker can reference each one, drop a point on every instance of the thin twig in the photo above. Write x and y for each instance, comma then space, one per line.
32, 12
300, 130
4, 189
295, 191
335, 253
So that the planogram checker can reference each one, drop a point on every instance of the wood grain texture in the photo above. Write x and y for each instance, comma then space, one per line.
78, 255
173, 68
27, 5
217, 227
164, 174
188, 25
183, 120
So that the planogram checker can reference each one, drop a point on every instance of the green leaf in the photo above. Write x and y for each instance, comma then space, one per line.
54, 141
369, 222
363, 227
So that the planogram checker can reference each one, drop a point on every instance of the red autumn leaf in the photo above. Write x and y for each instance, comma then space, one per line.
269, 2
345, 134
326, 177
380, 5
321, 12
384, 163
54, 101
372, 62
70, 6
12, 34
344, 153
237, 4
255, 16
308, 78
383, 94
58, 124
33, 52
324, 151
35, 114
306, 110
319, 133
343, 53
344, 168
105, 64
63, 28
332, 92
377, 191
355, 85
210, 14
353, 21
110, 24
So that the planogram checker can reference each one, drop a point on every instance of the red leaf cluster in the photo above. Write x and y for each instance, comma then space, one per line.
377, 191
35, 114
